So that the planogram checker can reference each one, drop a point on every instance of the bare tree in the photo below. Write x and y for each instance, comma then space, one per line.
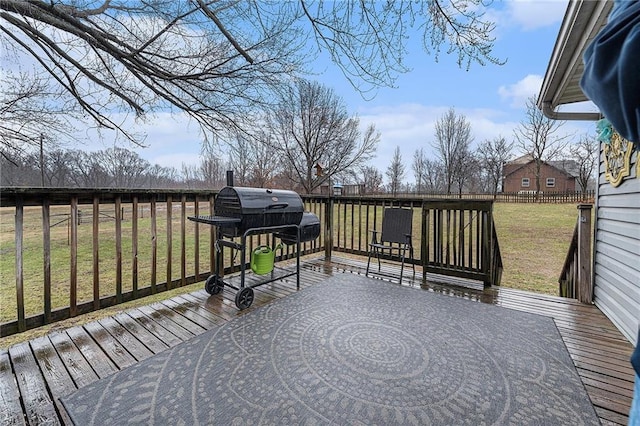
31, 114
126, 168
240, 159
371, 180
311, 126
395, 172
191, 176
453, 139
492, 154
265, 165
585, 154
538, 137
19, 171
163, 177
419, 169
57, 168
253, 158
211, 169
88, 170
80, 169
434, 176
217, 60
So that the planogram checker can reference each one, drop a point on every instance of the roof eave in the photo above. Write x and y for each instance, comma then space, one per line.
561, 84
553, 114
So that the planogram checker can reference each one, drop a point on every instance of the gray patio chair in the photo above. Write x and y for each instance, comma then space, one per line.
395, 238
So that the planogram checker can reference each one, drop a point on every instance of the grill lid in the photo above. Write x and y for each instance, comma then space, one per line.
257, 207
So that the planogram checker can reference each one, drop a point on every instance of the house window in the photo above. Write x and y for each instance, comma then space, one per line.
551, 182
525, 182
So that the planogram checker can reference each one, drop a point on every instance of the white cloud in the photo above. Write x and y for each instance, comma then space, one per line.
518, 93
532, 14
412, 126
171, 139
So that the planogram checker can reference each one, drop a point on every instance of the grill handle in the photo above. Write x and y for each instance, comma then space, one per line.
277, 206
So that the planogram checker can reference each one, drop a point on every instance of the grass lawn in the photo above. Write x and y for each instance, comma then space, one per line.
534, 240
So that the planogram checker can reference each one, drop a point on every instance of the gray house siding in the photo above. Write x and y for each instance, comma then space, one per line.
617, 251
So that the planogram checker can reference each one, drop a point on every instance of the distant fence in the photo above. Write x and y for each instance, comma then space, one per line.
507, 197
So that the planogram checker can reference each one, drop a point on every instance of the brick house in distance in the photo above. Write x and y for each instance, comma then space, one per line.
555, 176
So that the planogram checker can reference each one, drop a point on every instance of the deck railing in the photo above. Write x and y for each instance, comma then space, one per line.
460, 240
575, 279
451, 237
75, 251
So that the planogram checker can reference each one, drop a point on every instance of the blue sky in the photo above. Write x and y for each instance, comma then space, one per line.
491, 97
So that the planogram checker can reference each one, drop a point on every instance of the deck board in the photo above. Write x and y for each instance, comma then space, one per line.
166, 337
92, 352
71, 358
58, 380
127, 340
38, 403
111, 347
173, 321
11, 413
35, 374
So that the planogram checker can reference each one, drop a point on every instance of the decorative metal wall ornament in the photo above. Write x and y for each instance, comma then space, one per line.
617, 156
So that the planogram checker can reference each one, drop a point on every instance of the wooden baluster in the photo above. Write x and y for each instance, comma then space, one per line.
19, 238
196, 248
96, 252
73, 279
169, 241
46, 251
183, 240
118, 215
134, 247
154, 245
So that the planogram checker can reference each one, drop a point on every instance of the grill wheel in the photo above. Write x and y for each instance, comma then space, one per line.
213, 285
244, 298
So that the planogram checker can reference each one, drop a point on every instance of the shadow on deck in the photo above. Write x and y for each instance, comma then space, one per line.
34, 374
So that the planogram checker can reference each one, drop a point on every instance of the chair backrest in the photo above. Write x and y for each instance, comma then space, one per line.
396, 224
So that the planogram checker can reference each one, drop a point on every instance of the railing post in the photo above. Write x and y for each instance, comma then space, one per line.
328, 228
584, 287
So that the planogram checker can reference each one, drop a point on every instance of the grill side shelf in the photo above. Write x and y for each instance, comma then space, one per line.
216, 220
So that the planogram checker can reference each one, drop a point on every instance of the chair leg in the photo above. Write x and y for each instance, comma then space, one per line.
368, 262
377, 257
413, 265
404, 250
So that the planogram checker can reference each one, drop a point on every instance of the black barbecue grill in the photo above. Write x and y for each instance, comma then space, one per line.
256, 208
243, 211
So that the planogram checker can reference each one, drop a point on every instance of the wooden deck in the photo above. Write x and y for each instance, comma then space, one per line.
33, 375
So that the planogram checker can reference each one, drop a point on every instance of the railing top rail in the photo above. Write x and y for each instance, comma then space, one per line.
448, 203
61, 196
